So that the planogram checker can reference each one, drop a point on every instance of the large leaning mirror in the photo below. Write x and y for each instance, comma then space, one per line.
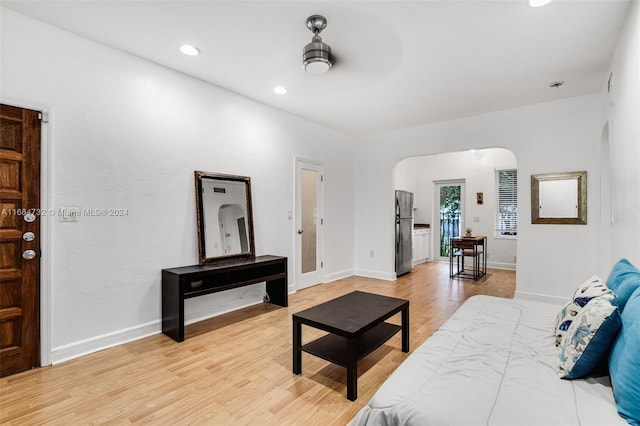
559, 198
224, 213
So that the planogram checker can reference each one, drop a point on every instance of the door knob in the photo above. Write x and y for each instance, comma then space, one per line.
29, 254
300, 231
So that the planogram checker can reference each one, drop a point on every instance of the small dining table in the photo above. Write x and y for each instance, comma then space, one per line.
468, 246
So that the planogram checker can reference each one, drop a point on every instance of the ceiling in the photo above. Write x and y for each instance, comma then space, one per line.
398, 63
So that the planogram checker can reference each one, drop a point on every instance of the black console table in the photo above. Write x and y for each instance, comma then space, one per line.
193, 281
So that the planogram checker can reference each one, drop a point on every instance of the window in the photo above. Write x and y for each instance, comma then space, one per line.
507, 211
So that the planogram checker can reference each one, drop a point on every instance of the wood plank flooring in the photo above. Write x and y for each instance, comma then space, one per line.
236, 368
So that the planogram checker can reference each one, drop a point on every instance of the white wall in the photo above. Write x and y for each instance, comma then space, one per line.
406, 179
478, 169
623, 113
549, 137
585, 133
126, 133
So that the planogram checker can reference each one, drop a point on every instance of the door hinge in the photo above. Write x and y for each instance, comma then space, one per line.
321, 178
322, 264
43, 116
321, 221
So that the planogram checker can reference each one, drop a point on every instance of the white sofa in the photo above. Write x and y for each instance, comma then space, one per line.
494, 362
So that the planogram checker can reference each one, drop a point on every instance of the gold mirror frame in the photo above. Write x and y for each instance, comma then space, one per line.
202, 224
580, 219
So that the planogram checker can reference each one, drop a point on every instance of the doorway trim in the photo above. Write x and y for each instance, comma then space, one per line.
435, 239
319, 276
46, 245
606, 204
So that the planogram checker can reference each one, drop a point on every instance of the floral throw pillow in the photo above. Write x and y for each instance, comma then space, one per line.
590, 288
589, 337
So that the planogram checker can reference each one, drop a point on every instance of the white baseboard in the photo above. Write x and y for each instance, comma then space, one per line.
338, 275
541, 298
327, 279
493, 265
387, 276
501, 265
120, 337
108, 340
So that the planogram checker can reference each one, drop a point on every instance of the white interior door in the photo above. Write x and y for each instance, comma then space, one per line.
309, 224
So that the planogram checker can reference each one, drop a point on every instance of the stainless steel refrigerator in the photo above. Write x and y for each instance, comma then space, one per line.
404, 232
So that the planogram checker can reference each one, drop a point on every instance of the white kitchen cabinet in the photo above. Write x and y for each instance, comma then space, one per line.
421, 245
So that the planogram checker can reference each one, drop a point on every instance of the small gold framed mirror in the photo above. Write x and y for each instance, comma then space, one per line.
559, 198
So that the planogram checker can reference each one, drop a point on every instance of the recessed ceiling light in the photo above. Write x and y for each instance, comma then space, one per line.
280, 90
538, 3
556, 84
190, 50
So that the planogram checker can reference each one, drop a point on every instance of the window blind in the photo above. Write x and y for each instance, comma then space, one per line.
507, 211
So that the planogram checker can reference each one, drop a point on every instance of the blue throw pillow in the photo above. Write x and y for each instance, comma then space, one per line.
624, 362
589, 337
623, 280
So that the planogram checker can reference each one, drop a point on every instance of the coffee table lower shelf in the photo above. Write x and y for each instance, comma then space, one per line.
333, 348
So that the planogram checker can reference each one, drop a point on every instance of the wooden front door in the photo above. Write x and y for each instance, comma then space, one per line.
19, 239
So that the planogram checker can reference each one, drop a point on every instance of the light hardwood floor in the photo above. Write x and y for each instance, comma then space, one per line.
236, 368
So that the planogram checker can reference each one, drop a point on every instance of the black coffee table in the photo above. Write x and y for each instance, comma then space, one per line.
356, 326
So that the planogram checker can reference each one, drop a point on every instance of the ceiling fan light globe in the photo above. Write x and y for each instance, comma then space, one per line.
538, 3
317, 66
